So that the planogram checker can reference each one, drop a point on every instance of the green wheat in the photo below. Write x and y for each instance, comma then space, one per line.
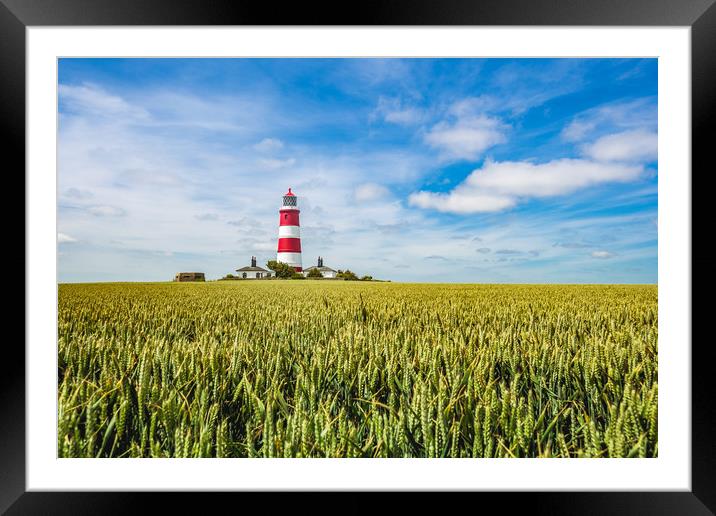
339, 369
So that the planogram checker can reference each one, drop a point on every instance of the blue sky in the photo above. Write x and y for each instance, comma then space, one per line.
454, 170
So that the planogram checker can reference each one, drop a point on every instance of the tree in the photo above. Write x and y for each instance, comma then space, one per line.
282, 270
314, 273
297, 275
367, 278
347, 275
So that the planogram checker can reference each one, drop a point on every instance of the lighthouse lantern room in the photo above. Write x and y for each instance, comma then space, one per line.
289, 232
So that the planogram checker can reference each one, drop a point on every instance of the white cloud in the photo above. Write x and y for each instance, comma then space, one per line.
631, 146
91, 99
500, 185
459, 202
269, 145
468, 131
106, 211
370, 192
394, 111
77, 193
63, 238
557, 177
245, 222
602, 255
466, 138
164, 109
372, 72
473, 106
577, 130
407, 116
275, 164
264, 246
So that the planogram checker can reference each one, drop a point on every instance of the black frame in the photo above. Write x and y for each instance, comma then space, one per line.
700, 15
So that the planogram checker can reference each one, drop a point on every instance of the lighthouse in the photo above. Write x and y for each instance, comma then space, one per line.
289, 232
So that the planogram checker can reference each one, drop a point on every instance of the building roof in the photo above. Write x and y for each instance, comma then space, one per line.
250, 269
290, 193
322, 268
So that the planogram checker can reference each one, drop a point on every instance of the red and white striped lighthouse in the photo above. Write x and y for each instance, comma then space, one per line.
289, 232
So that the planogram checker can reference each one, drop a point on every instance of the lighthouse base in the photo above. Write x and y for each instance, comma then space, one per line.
292, 259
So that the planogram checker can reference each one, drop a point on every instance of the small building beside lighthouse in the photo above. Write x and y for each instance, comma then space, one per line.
327, 272
289, 232
253, 271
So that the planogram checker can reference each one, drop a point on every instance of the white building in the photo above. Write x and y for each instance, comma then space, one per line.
253, 272
326, 271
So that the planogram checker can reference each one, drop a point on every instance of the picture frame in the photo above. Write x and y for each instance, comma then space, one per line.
17, 15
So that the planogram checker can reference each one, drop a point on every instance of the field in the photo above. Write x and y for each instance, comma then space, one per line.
356, 369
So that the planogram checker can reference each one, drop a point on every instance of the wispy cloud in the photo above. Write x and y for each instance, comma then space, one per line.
395, 111
245, 222
370, 192
612, 117
571, 245
269, 145
602, 255
91, 99
65, 239
276, 164
523, 85
106, 211
77, 193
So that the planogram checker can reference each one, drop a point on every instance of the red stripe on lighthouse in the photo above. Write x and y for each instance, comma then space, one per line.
288, 218
289, 245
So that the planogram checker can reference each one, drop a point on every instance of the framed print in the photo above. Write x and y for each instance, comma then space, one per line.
479, 277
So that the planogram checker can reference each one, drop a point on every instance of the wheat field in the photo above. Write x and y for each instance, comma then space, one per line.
356, 369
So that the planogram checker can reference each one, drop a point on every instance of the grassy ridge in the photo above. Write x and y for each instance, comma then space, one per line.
344, 369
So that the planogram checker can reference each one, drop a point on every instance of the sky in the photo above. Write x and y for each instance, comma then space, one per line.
435, 170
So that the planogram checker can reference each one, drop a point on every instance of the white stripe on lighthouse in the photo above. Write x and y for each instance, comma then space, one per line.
293, 259
289, 232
